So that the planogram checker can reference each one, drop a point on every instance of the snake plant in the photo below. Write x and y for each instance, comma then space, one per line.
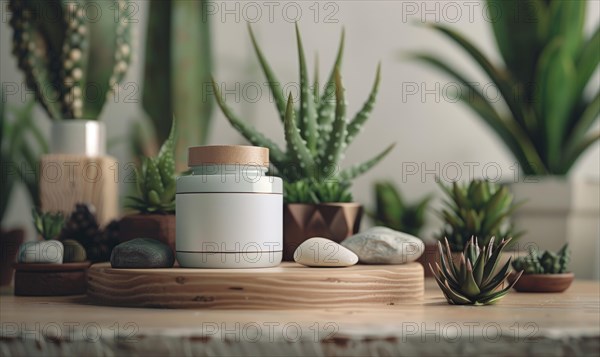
177, 68
544, 262
479, 208
548, 64
156, 180
474, 279
317, 131
73, 53
391, 210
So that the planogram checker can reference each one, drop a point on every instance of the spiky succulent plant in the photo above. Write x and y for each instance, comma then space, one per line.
156, 180
474, 279
548, 64
392, 211
317, 132
479, 208
544, 262
48, 224
73, 53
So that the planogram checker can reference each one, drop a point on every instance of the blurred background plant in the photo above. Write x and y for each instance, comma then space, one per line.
392, 210
71, 60
177, 68
544, 262
21, 145
548, 63
317, 132
47, 224
479, 209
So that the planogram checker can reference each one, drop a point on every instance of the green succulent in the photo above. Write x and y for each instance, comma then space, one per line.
478, 209
312, 192
317, 132
47, 224
155, 180
392, 211
544, 262
548, 64
474, 280
73, 53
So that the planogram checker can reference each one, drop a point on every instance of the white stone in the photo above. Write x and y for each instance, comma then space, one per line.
50, 251
381, 245
322, 252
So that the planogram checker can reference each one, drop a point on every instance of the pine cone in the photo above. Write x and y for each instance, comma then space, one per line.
82, 225
103, 243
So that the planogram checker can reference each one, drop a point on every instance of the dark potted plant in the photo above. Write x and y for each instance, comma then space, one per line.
19, 160
155, 198
544, 271
548, 62
317, 133
73, 62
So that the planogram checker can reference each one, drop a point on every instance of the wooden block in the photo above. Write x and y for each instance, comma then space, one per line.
50, 279
66, 180
288, 286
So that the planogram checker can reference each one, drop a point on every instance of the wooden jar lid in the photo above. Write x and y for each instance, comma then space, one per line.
228, 154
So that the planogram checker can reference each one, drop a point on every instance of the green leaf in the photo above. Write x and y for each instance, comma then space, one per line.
359, 169
277, 157
363, 115
274, 83
566, 23
298, 151
587, 62
307, 121
337, 138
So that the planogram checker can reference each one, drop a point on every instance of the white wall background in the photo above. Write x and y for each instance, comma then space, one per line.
429, 130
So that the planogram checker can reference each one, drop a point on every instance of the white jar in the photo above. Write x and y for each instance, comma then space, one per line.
229, 212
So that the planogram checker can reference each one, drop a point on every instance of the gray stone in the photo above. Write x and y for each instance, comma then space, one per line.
381, 245
322, 252
74, 252
142, 253
46, 252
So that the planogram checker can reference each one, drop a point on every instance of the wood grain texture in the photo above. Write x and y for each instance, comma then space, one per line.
288, 286
51, 279
66, 180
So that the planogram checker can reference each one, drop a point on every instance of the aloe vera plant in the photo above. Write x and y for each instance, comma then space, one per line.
391, 209
73, 53
474, 279
155, 181
479, 208
317, 131
548, 63
177, 69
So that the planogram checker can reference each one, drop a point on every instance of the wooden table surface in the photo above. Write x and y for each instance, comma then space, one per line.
522, 323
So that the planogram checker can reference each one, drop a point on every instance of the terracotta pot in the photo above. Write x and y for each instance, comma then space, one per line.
542, 283
156, 226
335, 221
51, 279
9, 245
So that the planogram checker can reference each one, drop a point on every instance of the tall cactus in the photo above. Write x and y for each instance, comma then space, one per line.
73, 53
177, 71
317, 132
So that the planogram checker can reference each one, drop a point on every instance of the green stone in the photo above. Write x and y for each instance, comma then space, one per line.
142, 253
74, 252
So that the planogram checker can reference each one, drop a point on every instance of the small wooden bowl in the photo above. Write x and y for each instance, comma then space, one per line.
51, 279
542, 283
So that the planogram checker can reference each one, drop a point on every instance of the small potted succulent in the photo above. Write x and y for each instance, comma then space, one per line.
317, 132
50, 267
474, 279
392, 211
478, 209
155, 198
72, 62
544, 271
